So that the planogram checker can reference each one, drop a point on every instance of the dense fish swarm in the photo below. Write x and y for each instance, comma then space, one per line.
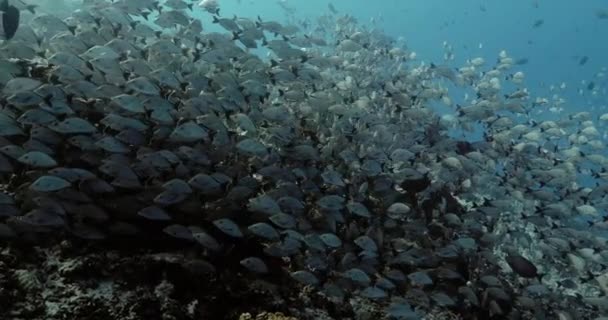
321, 176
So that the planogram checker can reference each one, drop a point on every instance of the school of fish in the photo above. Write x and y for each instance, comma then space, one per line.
321, 164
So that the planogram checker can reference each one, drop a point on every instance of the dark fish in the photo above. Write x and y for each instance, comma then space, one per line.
602, 14
522, 266
521, 61
583, 60
20, 5
591, 86
538, 23
9, 20
332, 8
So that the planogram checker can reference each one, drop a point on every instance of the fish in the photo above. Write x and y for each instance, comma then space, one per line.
331, 8
537, 23
211, 6
9, 20
522, 266
601, 14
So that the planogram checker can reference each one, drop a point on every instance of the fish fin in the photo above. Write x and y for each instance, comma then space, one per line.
31, 8
539, 277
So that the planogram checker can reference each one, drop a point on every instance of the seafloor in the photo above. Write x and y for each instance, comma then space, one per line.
71, 280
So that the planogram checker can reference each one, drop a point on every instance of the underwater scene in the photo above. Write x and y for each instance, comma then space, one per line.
303, 160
